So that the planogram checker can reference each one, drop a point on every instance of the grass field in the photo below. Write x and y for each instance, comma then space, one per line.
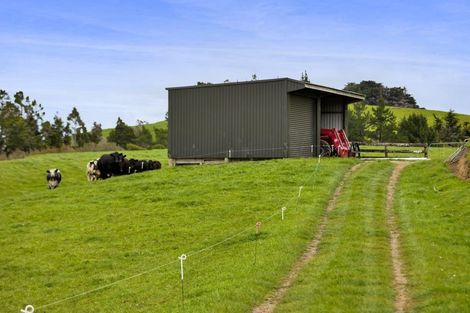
433, 210
352, 272
81, 236
429, 114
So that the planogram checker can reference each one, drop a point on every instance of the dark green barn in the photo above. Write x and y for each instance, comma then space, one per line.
260, 119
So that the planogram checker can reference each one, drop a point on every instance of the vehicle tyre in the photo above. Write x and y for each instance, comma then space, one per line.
325, 148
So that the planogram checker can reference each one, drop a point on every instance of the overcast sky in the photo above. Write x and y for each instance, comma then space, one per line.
115, 58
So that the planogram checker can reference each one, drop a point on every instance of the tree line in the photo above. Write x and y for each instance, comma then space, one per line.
381, 125
23, 127
138, 137
374, 91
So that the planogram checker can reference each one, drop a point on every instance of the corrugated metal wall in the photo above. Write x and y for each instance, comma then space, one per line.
250, 119
332, 115
293, 85
301, 125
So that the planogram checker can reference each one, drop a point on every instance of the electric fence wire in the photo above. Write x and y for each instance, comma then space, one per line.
243, 152
191, 254
106, 286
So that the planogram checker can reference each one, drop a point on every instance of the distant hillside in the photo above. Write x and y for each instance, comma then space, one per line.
400, 113
150, 126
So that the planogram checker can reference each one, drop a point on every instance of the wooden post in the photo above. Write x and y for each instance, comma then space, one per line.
386, 151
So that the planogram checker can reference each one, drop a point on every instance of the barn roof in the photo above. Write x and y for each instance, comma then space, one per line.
314, 90
294, 86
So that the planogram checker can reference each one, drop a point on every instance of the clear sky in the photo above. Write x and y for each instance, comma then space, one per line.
115, 58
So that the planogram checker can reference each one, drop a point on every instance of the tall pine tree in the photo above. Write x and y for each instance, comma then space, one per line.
358, 122
96, 133
79, 132
122, 134
382, 122
452, 128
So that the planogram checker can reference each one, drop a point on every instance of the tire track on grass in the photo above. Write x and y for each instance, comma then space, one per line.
271, 302
399, 278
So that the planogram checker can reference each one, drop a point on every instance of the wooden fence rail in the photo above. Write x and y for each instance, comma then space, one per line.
381, 150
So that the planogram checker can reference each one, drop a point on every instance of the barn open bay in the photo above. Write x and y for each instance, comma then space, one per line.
83, 235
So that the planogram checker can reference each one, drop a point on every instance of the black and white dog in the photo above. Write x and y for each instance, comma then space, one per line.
53, 178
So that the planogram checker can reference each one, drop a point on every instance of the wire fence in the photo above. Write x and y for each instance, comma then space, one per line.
437, 150
266, 152
254, 228
444, 150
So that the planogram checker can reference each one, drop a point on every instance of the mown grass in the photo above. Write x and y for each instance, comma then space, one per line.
441, 152
352, 271
58, 243
433, 209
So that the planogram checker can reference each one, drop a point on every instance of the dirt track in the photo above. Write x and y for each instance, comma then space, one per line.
402, 300
399, 279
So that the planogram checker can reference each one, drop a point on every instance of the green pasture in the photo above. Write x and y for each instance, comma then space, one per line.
433, 210
150, 127
435, 151
400, 113
84, 235
392, 152
352, 271
439, 152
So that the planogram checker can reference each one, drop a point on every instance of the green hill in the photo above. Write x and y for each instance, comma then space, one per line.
400, 113
151, 127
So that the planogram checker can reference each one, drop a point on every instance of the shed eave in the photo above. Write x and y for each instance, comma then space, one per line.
330, 90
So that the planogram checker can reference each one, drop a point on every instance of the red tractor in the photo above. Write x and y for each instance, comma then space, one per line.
334, 142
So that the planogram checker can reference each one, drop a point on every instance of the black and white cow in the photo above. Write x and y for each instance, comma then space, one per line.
92, 171
53, 178
116, 164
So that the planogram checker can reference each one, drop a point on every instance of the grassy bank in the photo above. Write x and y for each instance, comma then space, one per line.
85, 235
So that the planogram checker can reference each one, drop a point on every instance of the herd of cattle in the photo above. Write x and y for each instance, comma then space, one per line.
113, 164
116, 164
